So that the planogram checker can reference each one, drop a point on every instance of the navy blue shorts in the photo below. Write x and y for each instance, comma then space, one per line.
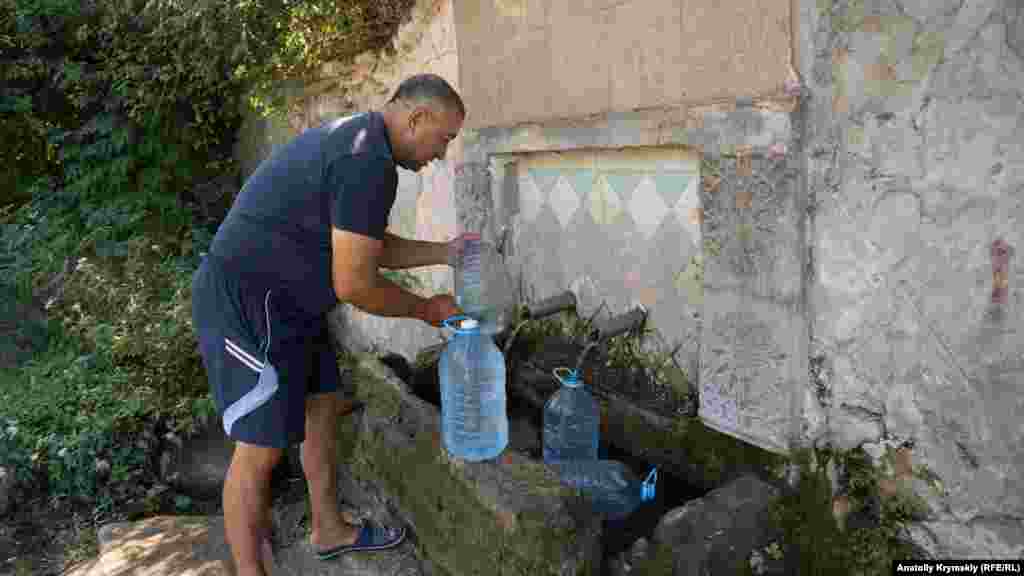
262, 359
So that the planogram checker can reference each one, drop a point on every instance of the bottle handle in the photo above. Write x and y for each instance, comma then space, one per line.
648, 490
447, 322
572, 376
453, 323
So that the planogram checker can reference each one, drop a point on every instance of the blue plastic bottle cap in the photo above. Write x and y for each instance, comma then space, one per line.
571, 378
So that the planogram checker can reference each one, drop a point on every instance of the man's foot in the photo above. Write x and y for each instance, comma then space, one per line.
343, 533
268, 556
370, 536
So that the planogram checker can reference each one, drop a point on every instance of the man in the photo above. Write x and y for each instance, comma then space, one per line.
308, 231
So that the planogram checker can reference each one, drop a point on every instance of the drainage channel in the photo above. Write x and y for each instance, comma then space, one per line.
526, 422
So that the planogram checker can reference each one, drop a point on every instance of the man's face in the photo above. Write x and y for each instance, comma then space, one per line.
431, 130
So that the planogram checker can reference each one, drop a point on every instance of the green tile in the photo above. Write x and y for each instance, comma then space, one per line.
544, 178
671, 185
623, 182
582, 181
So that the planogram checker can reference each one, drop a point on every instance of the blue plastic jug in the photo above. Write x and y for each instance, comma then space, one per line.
572, 420
609, 485
474, 423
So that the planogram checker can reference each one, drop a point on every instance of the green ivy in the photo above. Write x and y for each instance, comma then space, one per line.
110, 112
146, 96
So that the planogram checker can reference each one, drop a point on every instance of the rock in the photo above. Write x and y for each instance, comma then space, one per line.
198, 465
623, 564
161, 546
716, 534
6, 487
510, 515
157, 490
638, 551
102, 469
195, 546
524, 437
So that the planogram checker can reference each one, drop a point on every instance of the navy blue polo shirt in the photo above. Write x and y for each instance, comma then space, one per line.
277, 235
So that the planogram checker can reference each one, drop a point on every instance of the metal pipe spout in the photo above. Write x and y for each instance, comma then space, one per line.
564, 301
621, 324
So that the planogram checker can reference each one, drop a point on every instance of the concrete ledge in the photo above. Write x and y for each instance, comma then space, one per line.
508, 516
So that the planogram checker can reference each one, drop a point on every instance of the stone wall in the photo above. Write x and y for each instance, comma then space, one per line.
858, 282
535, 60
425, 206
752, 361
916, 175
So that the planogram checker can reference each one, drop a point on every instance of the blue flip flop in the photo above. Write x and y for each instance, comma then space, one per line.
372, 536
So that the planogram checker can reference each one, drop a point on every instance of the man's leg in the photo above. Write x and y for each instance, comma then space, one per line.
247, 506
320, 464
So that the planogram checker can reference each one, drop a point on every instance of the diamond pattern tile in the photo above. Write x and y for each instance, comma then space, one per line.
582, 181
531, 199
605, 206
564, 200
624, 182
688, 210
671, 185
544, 178
647, 207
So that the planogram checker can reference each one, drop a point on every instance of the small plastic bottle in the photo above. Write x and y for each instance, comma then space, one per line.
482, 284
474, 421
468, 279
572, 421
609, 485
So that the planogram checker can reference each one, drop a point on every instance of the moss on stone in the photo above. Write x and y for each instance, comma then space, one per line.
813, 539
926, 53
658, 562
850, 19
702, 456
459, 531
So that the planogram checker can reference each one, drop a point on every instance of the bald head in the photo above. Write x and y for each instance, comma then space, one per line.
423, 116
429, 89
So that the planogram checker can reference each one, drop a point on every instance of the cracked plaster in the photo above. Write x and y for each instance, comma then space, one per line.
915, 172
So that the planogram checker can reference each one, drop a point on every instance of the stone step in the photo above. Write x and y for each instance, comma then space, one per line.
507, 516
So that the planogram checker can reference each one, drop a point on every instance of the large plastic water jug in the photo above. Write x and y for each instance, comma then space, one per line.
474, 423
572, 420
609, 485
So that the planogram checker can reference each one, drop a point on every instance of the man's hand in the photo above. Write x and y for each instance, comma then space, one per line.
437, 309
458, 244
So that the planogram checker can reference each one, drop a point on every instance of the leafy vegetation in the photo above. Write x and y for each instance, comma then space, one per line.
816, 543
113, 115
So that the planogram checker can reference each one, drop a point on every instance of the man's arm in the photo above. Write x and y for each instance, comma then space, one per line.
356, 281
398, 253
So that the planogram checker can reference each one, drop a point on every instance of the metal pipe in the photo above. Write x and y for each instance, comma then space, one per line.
536, 311
583, 355
607, 330
627, 322
564, 301
512, 336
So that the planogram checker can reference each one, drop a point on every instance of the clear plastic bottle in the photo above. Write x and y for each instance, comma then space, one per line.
482, 285
468, 276
474, 421
572, 421
609, 485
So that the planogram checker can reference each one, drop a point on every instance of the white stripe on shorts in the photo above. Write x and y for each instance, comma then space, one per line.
265, 387
242, 356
